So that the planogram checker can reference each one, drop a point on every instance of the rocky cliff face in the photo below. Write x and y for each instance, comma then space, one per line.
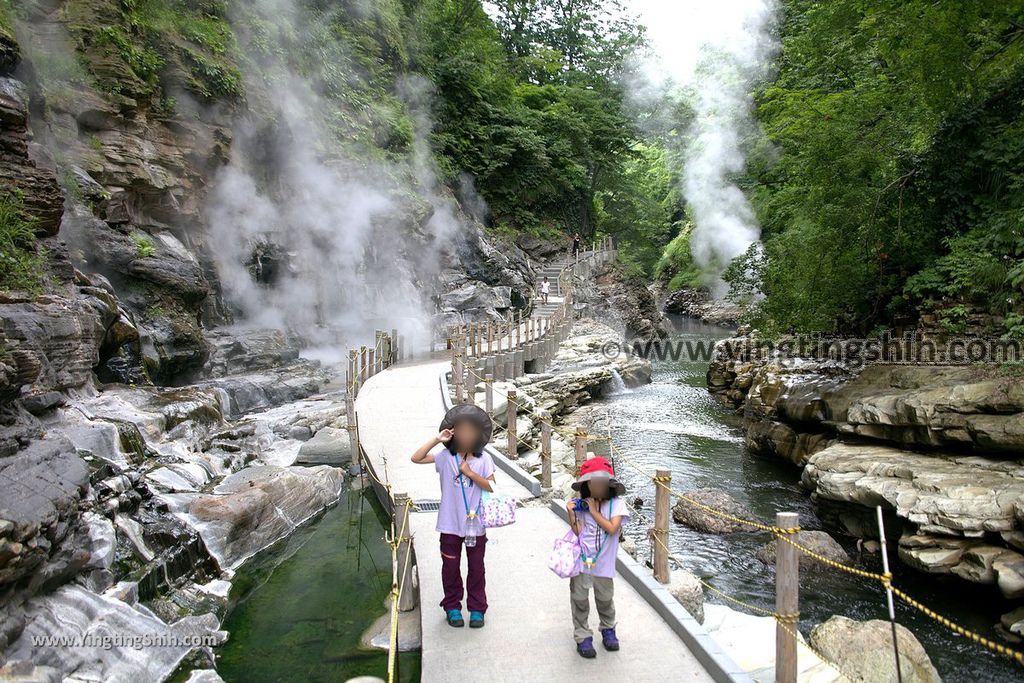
700, 304
626, 303
127, 495
938, 446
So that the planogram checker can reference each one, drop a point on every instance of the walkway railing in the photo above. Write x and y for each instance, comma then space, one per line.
477, 358
389, 349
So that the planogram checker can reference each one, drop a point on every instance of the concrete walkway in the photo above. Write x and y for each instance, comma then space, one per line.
528, 636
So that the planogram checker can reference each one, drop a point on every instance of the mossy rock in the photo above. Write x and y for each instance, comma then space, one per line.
10, 52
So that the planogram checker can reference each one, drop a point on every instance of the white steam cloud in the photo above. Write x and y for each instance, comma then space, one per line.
715, 52
309, 240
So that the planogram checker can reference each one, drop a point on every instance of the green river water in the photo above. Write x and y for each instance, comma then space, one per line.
299, 608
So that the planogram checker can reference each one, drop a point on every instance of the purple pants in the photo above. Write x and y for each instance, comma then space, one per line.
451, 574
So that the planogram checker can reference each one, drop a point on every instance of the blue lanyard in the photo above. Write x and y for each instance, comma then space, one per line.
602, 536
465, 501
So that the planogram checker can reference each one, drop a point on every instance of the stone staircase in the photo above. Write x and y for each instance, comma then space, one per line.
552, 270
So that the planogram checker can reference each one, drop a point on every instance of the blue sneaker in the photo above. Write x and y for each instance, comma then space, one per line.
454, 618
476, 619
609, 639
585, 648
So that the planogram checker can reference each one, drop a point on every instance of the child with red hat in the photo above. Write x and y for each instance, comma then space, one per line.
596, 517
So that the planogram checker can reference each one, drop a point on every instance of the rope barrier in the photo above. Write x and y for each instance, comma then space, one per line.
397, 586
788, 622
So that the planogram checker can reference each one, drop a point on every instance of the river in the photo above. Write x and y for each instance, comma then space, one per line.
298, 609
674, 423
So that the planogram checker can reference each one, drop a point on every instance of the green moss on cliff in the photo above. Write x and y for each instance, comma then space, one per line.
146, 49
9, 52
22, 265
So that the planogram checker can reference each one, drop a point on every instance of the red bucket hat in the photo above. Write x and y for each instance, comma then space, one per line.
599, 468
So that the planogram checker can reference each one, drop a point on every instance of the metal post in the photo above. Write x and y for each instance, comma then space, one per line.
787, 600
511, 409
888, 594
662, 503
581, 448
489, 394
545, 450
407, 598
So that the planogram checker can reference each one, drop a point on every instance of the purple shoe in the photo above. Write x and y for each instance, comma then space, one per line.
609, 639
585, 648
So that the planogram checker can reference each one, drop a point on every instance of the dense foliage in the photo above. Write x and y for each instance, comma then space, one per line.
896, 183
528, 105
21, 261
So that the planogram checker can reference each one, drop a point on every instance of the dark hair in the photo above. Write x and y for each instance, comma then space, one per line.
584, 490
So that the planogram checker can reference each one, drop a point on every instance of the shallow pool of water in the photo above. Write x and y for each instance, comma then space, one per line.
299, 609
675, 423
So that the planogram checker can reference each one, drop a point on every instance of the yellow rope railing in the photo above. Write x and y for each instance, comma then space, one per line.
787, 535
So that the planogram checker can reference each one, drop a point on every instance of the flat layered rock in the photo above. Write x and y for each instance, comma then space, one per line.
952, 495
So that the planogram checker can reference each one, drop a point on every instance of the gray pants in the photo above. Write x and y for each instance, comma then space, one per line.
579, 595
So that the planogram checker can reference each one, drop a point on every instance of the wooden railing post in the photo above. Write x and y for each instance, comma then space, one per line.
350, 420
353, 372
519, 325
545, 450
363, 371
662, 504
407, 598
489, 394
787, 600
490, 337
511, 411
581, 448
394, 346
457, 377
471, 375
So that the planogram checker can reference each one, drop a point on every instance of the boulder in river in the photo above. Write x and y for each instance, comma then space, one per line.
701, 519
329, 446
819, 542
864, 649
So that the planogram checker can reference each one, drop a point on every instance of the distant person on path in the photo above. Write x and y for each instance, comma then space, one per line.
545, 289
597, 517
577, 243
465, 471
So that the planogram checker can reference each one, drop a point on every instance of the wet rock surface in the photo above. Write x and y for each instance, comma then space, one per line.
864, 649
819, 542
701, 305
700, 519
625, 303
